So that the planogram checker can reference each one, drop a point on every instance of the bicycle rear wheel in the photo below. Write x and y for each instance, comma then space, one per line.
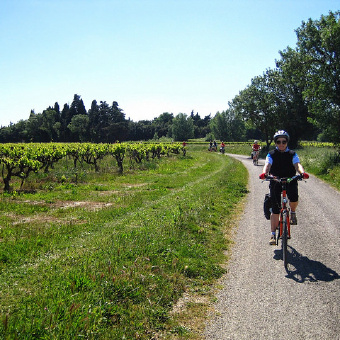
284, 241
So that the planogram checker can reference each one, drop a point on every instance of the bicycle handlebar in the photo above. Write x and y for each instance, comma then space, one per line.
298, 177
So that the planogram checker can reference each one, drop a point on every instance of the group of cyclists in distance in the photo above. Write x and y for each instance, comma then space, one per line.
281, 162
213, 146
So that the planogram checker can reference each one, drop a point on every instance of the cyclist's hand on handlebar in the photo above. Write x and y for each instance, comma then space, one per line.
263, 176
305, 175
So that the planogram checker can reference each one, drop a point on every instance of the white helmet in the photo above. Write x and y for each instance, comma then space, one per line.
281, 133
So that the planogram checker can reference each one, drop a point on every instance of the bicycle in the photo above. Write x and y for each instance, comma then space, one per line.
283, 229
256, 157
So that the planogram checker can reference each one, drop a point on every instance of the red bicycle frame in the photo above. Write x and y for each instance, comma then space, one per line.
284, 209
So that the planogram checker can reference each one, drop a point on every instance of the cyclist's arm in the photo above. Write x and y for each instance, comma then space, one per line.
267, 165
296, 162
299, 168
266, 168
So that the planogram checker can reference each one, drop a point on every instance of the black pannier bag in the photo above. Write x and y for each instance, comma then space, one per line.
267, 206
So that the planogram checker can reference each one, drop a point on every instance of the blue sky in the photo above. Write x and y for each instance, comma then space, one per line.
151, 56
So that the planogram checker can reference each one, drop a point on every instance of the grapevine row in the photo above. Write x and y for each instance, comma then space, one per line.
20, 160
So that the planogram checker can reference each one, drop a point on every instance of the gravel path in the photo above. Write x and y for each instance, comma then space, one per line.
259, 298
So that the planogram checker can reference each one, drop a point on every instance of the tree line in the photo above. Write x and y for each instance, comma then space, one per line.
300, 95
102, 123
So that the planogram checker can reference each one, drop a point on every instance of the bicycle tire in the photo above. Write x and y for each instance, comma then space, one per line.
284, 241
277, 234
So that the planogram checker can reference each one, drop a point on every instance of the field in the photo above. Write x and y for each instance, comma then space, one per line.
109, 255
104, 255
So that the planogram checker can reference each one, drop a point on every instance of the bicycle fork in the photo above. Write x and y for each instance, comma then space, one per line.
284, 216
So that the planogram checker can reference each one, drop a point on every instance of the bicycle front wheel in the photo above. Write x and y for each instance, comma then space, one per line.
284, 241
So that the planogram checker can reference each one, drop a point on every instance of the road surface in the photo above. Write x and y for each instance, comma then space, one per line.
260, 299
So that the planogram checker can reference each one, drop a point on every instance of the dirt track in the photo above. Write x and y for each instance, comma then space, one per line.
260, 299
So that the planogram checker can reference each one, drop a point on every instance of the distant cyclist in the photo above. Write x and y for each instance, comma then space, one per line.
256, 150
215, 146
282, 162
222, 147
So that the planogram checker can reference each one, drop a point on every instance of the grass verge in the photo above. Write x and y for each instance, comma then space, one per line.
108, 257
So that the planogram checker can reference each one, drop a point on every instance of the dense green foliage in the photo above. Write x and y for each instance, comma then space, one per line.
107, 256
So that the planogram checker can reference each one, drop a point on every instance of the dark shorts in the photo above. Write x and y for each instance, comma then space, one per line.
275, 193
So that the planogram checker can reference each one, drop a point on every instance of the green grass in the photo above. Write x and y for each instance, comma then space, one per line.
322, 162
106, 256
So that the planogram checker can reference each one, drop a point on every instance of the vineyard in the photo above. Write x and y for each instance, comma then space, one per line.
21, 160
108, 256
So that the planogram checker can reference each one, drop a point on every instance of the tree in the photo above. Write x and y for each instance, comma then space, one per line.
219, 127
289, 84
162, 124
319, 47
77, 108
257, 104
141, 130
118, 128
49, 120
56, 108
182, 127
64, 121
227, 126
107, 123
94, 122
79, 127
202, 127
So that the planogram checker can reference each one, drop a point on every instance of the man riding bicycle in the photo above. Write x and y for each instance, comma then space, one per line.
282, 162
256, 150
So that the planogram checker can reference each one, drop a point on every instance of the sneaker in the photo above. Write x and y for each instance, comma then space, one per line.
293, 219
272, 241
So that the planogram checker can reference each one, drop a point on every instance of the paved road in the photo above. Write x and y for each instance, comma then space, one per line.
260, 299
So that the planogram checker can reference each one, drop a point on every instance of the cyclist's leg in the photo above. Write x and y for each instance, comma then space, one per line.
275, 193
293, 205
274, 221
293, 196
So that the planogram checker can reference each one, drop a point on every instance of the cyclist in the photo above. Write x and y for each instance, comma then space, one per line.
222, 147
215, 146
282, 162
256, 149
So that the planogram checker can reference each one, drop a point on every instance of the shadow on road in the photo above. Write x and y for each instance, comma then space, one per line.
301, 268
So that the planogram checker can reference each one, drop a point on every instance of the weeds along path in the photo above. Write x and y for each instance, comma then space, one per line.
260, 299
126, 264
